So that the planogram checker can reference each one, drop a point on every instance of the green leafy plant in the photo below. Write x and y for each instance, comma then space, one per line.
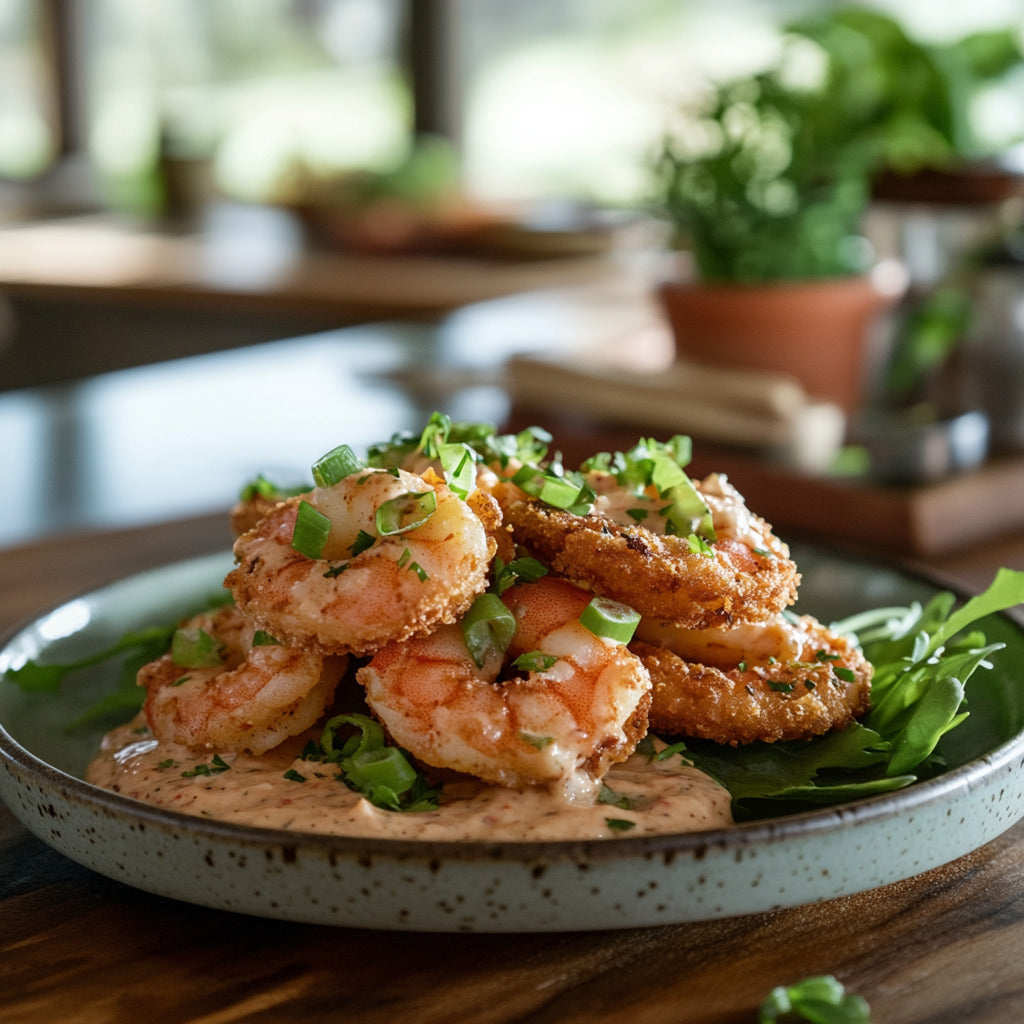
923, 657
767, 177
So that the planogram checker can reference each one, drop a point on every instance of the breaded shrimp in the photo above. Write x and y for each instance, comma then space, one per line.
579, 707
621, 550
403, 555
230, 695
784, 679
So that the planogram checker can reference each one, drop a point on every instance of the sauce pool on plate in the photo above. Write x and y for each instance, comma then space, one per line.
282, 791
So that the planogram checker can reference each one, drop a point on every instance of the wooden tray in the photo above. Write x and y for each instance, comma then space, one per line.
912, 521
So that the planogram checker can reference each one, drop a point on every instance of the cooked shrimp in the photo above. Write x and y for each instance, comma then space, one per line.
784, 679
251, 698
621, 550
579, 709
255, 501
372, 583
248, 511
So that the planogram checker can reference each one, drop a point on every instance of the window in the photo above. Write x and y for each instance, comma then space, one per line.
29, 130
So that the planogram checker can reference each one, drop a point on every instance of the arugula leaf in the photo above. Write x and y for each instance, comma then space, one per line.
136, 648
35, 677
923, 656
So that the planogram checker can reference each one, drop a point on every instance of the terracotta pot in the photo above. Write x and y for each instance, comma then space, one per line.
816, 331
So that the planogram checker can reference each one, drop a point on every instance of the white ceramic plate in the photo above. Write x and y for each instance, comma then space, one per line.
497, 887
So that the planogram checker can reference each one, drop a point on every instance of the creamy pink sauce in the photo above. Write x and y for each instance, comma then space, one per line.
729, 513
663, 797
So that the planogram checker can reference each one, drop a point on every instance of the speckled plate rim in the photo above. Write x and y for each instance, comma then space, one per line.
447, 886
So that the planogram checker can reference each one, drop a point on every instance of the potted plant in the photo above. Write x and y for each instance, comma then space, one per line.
765, 180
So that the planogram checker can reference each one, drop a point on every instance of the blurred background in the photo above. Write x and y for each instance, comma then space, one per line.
180, 177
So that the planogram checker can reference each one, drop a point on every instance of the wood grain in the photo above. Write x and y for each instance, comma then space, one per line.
943, 948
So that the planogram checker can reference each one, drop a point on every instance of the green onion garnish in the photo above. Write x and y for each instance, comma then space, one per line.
488, 628
363, 542
610, 620
534, 740
555, 489
458, 464
619, 824
312, 528
195, 648
535, 661
381, 773
215, 767
525, 569
261, 638
606, 795
821, 998
337, 464
385, 767
405, 513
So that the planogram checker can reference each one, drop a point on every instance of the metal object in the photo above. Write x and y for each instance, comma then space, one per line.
903, 450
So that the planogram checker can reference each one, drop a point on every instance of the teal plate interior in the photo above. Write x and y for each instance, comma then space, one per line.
623, 882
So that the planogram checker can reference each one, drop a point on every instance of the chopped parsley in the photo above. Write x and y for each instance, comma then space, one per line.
216, 765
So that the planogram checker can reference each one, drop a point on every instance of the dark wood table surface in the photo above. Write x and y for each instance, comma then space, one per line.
941, 948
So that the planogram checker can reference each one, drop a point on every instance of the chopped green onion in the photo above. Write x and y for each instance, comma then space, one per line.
650, 463
261, 487
261, 638
459, 466
525, 569
555, 489
535, 661
337, 464
195, 648
363, 542
293, 776
405, 513
215, 767
606, 795
619, 824
335, 571
821, 999
311, 530
540, 742
380, 772
488, 628
386, 767
610, 620
435, 434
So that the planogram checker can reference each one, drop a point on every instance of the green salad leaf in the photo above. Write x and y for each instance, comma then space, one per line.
923, 657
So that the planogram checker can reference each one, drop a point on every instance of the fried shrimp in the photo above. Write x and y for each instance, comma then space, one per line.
401, 555
248, 511
575, 704
622, 549
215, 690
784, 679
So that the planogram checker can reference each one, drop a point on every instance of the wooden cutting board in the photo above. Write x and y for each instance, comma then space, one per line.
913, 521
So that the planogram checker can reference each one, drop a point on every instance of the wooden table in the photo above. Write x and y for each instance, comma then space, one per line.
943, 948
75, 947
